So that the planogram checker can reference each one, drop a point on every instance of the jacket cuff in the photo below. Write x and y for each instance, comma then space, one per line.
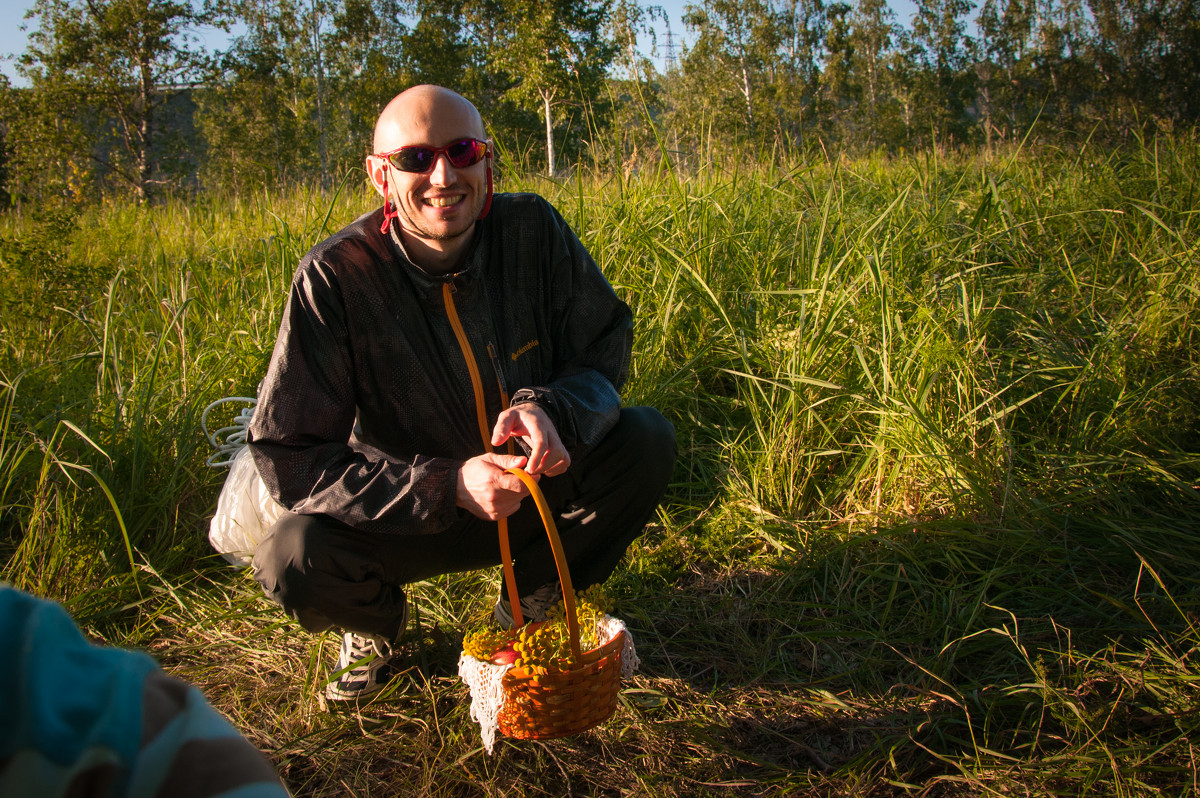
448, 513
544, 399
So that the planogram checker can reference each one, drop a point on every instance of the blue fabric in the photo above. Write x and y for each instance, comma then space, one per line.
68, 707
61, 696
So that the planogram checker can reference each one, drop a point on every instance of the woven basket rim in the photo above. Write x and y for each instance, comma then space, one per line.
608, 649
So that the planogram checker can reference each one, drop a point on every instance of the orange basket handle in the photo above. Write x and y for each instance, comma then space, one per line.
560, 562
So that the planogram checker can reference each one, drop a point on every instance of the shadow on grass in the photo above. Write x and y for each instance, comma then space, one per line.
947, 657
942, 653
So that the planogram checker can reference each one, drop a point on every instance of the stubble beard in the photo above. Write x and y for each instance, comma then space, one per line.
419, 228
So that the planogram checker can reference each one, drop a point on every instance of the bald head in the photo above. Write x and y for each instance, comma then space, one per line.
433, 203
429, 115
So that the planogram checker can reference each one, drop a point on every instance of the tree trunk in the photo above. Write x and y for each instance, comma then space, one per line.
546, 97
316, 41
145, 132
748, 94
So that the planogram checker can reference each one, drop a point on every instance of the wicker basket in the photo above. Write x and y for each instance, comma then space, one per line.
562, 703
557, 703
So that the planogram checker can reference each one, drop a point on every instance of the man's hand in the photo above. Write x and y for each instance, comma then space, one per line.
487, 490
529, 421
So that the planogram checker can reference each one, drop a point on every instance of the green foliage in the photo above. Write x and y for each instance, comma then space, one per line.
933, 523
296, 95
105, 79
942, 84
120, 99
42, 284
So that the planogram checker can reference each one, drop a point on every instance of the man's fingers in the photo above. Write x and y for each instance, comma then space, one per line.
550, 460
511, 483
507, 461
537, 452
530, 423
503, 429
487, 490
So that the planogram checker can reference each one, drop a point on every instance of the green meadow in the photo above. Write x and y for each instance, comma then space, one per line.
934, 529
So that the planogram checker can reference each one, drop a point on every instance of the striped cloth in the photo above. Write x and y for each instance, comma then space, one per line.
83, 720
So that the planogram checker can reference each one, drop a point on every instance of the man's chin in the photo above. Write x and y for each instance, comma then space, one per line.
443, 227
449, 233
441, 231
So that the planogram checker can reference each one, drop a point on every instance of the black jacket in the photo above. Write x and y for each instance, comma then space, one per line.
368, 409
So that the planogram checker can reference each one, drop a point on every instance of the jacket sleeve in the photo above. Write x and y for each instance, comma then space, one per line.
593, 338
300, 436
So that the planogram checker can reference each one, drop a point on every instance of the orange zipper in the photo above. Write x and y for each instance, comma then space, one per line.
472, 367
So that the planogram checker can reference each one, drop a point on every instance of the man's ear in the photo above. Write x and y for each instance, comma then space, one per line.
377, 172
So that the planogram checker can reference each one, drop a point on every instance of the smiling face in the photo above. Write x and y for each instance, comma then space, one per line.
436, 210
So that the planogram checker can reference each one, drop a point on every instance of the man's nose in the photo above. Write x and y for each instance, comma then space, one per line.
442, 172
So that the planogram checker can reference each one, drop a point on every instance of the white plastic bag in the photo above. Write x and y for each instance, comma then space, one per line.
245, 511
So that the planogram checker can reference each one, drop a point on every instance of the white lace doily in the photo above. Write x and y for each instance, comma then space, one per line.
484, 679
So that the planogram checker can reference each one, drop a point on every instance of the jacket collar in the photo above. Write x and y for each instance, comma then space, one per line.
467, 274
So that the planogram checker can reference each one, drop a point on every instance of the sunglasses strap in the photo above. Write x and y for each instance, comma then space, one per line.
487, 203
389, 211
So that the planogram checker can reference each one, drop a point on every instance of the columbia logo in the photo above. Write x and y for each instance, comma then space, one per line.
524, 349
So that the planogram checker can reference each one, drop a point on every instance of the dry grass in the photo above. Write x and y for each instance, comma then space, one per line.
781, 677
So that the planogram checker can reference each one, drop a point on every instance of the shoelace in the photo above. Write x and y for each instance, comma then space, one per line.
362, 647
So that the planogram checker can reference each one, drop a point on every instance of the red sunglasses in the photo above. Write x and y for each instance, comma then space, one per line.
418, 159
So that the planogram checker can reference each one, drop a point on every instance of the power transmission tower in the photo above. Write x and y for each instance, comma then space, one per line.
671, 62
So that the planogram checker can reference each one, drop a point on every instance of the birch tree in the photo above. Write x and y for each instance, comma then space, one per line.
553, 51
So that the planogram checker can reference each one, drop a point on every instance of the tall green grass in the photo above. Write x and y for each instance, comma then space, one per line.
933, 528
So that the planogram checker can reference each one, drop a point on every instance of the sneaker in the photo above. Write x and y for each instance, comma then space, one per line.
364, 665
534, 606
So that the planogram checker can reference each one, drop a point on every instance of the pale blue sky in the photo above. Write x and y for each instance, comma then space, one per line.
13, 39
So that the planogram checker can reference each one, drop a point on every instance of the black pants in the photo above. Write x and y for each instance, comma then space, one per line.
329, 575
